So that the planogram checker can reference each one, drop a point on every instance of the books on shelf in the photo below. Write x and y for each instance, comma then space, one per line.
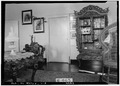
99, 23
86, 30
87, 38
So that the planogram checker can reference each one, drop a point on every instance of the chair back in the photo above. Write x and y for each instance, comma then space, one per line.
37, 49
108, 40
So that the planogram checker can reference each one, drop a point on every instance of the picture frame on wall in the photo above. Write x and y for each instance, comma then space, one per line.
38, 25
26, 17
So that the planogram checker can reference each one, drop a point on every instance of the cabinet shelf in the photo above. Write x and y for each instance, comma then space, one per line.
86, 34
98, 28
86, 26
87, 42
95, 39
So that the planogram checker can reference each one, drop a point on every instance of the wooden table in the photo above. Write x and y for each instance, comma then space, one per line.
13, 63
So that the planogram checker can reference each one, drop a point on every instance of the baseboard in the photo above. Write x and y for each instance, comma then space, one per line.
45, 60
72, 61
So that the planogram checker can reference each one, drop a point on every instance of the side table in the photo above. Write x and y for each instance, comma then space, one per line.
13, 63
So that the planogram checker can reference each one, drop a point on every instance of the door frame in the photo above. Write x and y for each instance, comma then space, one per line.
68, 36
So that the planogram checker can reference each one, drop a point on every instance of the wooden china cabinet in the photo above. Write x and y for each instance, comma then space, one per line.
90, 21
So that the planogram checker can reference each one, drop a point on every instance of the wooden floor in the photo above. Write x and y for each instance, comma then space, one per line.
59, 66
51, 66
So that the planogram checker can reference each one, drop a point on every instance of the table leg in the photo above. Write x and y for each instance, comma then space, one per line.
100, 78
34, 71
14, 72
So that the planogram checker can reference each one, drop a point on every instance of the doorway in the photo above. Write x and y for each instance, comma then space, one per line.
58, 39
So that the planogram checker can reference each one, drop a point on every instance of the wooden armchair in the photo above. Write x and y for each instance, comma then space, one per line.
37, 60
108, 40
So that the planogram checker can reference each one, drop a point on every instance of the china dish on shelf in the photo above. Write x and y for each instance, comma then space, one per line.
86, 30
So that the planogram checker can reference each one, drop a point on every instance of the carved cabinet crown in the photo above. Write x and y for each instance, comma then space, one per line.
91, 10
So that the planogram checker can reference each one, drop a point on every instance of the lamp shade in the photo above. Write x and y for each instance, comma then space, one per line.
11, 36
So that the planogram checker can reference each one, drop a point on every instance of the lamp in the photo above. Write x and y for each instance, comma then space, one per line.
11, 38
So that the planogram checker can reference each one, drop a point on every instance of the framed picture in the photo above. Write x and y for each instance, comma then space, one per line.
26, 17
38, 25
73, 34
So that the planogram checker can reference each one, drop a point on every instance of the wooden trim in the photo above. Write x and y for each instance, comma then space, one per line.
91, 8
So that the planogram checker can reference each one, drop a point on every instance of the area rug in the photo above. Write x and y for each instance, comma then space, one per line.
50, 76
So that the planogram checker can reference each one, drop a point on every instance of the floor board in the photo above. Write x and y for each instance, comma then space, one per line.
57, 66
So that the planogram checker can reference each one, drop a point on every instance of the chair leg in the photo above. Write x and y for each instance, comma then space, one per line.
79, 63
33, 74
108, 74
14, 72
103, 72
34, 71
100, 79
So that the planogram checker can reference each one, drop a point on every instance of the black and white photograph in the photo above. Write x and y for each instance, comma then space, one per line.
38, 25
60, 43
26, 17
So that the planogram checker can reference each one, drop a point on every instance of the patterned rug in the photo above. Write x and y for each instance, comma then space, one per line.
50, 76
